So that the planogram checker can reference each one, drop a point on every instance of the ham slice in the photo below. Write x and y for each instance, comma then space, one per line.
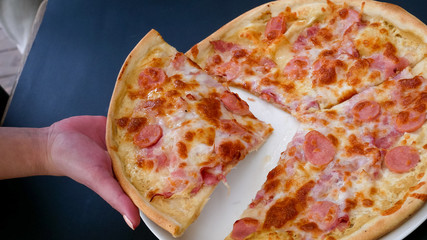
388, 66
318, 149
324, 214
151, 76
223, 46
366, 110
275, 27
243, 228
148, 136
409, 121
401, 159
234, 103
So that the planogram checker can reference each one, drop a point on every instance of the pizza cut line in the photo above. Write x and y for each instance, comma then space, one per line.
351, 72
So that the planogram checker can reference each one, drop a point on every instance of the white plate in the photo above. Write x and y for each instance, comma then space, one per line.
225, 207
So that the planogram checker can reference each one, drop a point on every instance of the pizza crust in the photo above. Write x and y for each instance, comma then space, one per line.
396, 15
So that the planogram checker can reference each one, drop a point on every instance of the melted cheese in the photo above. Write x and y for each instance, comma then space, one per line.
188, 108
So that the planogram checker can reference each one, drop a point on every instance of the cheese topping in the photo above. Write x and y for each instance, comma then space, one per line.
186, 130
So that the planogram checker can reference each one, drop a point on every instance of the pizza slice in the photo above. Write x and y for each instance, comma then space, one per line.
174, 132
311, 55
355, 171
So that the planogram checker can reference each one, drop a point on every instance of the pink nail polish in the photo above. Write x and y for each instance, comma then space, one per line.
128, 222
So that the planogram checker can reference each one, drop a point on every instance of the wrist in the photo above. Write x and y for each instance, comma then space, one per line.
24, 152
43, 164
35, 157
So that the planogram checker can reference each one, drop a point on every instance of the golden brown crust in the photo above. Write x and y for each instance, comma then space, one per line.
381, 225
396, 15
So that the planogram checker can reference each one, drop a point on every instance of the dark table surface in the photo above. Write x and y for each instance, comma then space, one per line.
71, 70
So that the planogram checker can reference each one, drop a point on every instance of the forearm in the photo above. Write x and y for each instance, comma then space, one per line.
23, 152
73, 147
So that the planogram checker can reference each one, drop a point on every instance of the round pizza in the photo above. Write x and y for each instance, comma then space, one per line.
351, 72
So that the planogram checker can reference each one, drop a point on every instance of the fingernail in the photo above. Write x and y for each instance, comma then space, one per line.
128, 222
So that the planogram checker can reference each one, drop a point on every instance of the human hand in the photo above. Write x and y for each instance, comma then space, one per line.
76, 148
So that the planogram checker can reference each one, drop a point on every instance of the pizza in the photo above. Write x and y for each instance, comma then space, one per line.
353, 73
174, 132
